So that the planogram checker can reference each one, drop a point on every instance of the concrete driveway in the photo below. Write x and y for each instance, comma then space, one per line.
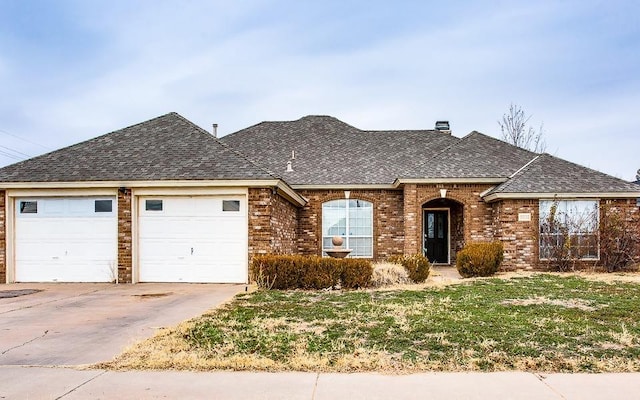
75, 324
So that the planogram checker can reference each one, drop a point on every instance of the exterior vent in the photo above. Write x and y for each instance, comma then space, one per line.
215, 130
443, 126
289, 167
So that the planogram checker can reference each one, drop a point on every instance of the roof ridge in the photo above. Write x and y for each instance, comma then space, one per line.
226, 146
90, 139
403, 130
495, 139
246, 158
434, 155
525, 166
582, 166
521, 171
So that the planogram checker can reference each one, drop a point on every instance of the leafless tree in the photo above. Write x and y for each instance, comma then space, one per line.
515, 130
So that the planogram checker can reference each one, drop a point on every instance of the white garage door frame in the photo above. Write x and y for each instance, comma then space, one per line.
12, 195
142, 193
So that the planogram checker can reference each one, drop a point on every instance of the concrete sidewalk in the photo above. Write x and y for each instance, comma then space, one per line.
66, 383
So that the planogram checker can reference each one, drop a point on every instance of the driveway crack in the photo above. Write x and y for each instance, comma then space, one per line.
315, 387
25, 343
542, 379
51, 301
81, 385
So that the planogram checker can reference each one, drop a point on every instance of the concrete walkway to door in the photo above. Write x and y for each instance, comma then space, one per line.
74, 324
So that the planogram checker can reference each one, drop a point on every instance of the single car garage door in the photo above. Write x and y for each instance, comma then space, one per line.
193, 239
66, 239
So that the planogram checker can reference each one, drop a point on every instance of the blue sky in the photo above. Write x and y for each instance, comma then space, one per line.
73, 70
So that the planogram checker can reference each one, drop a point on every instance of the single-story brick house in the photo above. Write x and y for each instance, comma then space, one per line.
166, 201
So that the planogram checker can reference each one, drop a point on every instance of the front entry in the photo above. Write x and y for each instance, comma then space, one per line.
436, 235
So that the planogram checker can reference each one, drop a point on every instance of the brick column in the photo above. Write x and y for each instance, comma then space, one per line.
260, 209
411, 228
124, 236
3, 241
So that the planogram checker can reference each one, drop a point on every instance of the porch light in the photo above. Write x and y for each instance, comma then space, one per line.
443, 193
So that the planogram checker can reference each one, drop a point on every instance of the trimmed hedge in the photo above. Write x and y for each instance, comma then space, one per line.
479, 259
417, 266
310, 272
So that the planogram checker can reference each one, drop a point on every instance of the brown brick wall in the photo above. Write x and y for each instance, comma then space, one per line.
519, 238
3, 238
272, 223
284, 226
471, 217
388, 225
411, 209
631, 212
259, 221
124, 236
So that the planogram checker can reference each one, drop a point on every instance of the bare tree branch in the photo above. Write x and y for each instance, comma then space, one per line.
516, 131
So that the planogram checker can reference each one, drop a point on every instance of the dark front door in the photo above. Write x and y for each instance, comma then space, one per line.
436, 236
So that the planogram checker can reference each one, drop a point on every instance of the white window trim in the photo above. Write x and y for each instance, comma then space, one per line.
347, 235
597, 201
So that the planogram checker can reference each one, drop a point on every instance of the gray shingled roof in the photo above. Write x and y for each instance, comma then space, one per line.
329, 151
474, 156
164, 148
549, 174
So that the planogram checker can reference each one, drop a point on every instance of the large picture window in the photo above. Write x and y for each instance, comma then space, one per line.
570, 225
353, 221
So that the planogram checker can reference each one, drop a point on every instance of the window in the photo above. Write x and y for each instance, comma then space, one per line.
572, 224
153, 205
230, 205
28, 207
353, 221
103, 206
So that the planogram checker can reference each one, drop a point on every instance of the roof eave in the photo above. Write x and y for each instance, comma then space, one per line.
345, 186
562, 195
481, 180
284, 189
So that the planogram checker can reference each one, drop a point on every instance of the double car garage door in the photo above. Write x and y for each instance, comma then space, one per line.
180, 239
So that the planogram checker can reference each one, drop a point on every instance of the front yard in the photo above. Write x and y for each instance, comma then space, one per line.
539, 322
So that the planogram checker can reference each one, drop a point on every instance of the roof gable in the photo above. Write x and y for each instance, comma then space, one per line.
549, 174
168, 147
474, 156
328, 151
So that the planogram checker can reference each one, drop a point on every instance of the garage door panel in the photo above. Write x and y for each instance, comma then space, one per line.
207, 243
65, 241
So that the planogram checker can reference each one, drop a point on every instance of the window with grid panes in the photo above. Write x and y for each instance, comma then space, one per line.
352, 220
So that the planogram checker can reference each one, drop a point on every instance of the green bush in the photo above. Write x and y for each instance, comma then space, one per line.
417, 266
479, 259
309, 272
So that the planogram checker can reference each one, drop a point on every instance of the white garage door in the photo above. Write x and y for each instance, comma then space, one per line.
66, 239
193, 239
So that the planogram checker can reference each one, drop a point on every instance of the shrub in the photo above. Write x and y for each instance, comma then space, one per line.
389, 274
317, 272
619, 240
356, 273
479, 259
417, 266
309, 272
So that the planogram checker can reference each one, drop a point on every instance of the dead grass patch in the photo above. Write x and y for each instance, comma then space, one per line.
541, 300
538, 322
